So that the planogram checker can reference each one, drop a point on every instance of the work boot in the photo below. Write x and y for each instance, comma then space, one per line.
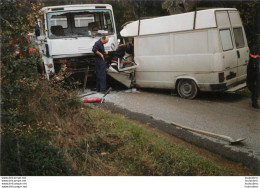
95, 89
106, 91
254, 98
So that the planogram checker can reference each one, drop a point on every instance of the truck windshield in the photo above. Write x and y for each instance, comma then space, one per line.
80, 23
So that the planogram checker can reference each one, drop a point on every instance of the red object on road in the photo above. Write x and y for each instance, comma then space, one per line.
92, 100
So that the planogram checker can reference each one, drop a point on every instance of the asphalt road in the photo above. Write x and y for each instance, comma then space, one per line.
226, 114
220, 113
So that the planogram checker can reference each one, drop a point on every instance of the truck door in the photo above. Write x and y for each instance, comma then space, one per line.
230, 55
240, 44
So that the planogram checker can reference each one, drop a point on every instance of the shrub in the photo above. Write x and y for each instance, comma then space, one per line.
30, 156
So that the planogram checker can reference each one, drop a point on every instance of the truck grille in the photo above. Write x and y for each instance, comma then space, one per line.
75, 64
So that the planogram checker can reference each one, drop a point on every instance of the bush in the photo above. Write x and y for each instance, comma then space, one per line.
30, 156
31, 107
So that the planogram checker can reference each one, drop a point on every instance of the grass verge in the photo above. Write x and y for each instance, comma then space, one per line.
67, 137
129, 149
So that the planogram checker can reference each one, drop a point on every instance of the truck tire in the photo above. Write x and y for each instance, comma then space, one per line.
187, 89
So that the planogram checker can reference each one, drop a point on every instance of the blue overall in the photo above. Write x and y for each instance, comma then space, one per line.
100, 66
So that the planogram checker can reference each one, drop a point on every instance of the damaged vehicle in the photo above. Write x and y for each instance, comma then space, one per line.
66, 35
204, 50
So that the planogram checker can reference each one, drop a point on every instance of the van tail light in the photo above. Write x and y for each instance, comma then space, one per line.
221, 77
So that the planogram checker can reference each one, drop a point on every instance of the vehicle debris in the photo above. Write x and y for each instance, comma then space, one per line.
87, 94
132, 90
222, 137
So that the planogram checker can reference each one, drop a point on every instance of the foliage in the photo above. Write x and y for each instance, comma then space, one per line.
178, 6
21, 83
19, 75
30, 156
131, 10
25, 98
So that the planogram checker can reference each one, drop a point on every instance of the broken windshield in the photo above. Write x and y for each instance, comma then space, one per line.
80, 23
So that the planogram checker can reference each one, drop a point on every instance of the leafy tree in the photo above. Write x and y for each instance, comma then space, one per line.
24, 149
19, 75
178, 6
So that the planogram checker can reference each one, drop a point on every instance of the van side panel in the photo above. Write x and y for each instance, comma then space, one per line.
153, 45
191, 43
188, 53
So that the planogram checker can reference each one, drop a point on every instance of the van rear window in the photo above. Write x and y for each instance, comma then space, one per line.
226, 40
239, 37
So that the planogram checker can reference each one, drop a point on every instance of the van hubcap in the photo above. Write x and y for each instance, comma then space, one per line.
186, 89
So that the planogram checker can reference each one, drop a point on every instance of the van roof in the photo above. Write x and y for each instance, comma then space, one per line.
75, 7
173, 23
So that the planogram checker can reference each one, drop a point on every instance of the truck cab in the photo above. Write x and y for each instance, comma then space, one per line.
66, 35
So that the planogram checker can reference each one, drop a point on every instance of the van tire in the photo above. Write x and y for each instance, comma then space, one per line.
187, 89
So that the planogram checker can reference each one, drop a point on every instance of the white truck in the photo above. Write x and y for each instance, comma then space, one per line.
66, 35
197, 51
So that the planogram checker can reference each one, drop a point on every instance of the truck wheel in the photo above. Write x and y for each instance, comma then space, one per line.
187, 89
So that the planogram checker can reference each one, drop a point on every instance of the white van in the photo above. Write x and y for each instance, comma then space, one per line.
67, 33
205, 50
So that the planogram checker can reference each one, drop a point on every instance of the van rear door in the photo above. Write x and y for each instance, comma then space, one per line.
229, 51
240, 44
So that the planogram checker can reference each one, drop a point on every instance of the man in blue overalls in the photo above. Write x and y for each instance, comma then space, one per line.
100, 64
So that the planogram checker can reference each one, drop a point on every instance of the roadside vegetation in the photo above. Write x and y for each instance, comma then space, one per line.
47, 130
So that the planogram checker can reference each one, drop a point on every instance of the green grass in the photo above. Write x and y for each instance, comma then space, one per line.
128, 149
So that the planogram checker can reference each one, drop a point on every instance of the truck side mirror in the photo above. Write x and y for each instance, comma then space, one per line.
37, 31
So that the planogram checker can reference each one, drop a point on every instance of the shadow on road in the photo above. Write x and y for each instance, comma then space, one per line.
222, 97
207, 96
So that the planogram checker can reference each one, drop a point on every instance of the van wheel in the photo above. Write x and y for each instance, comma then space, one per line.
187, 89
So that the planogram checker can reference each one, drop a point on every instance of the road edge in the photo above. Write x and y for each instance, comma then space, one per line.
230, 152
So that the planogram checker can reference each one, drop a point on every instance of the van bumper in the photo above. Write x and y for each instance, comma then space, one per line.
213, 87
218, 87
222, 87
